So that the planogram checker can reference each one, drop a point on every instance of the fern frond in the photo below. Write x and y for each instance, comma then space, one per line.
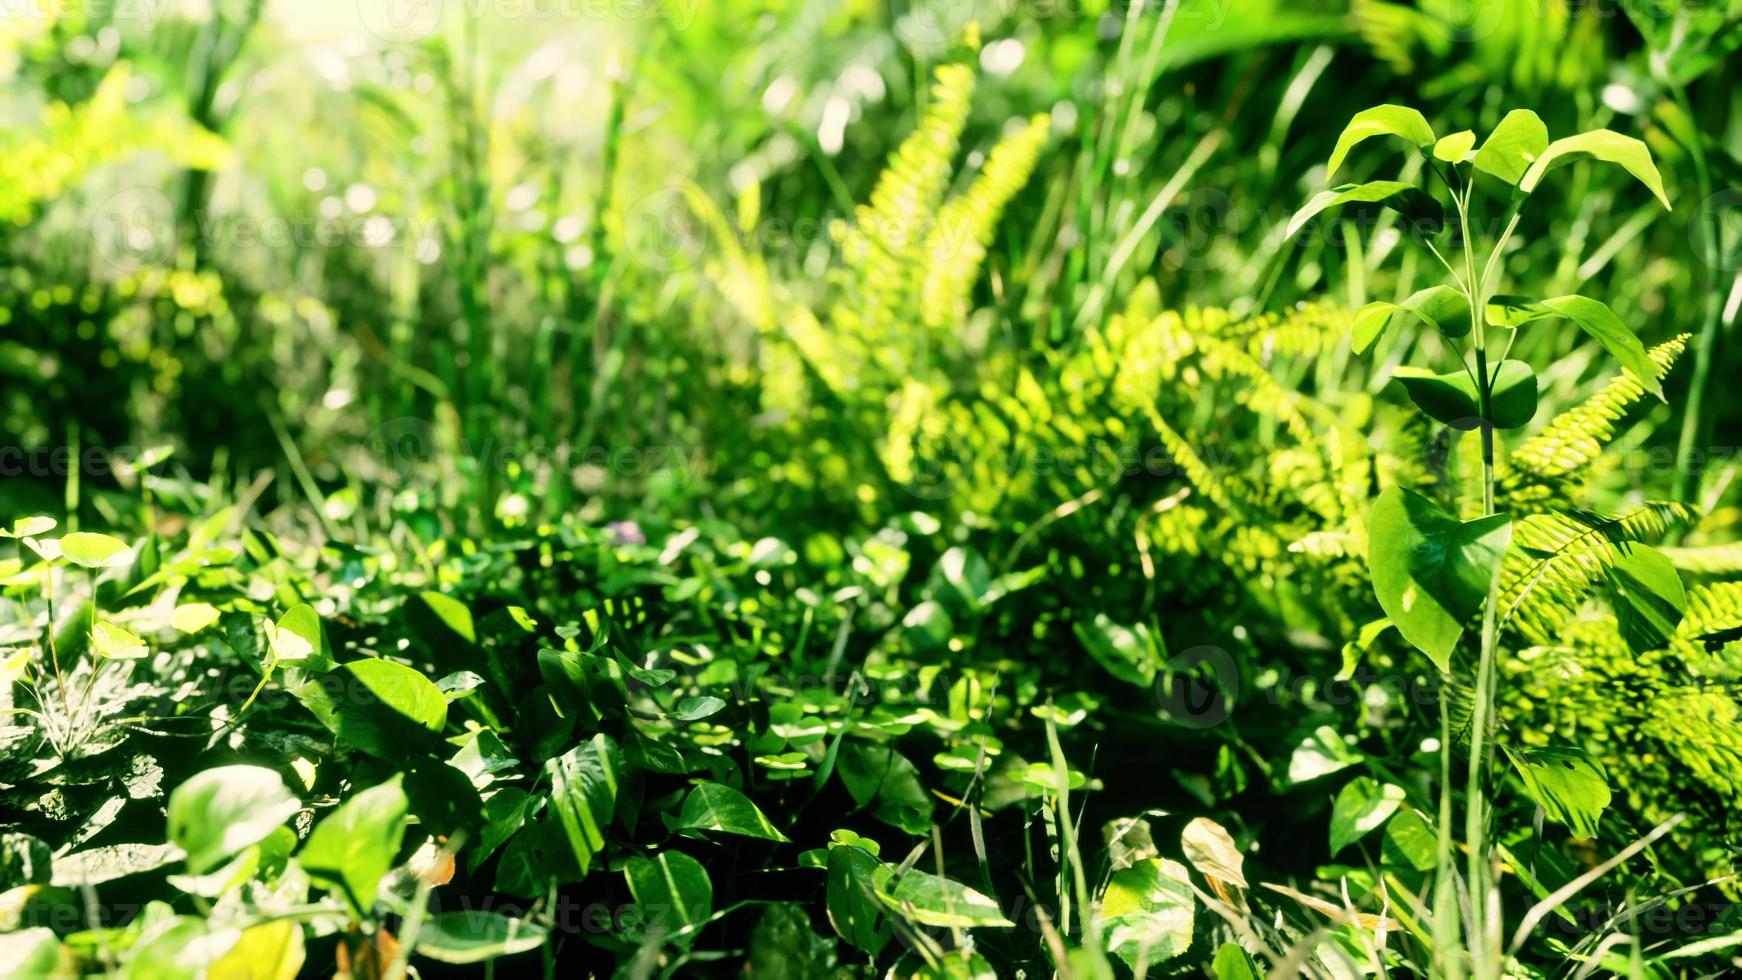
957, 241
1546, 463
1712, 559
1557, 558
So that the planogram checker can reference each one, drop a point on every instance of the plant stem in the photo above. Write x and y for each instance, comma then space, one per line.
1711, 240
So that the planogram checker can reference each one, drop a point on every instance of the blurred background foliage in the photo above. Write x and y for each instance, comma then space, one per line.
749, 262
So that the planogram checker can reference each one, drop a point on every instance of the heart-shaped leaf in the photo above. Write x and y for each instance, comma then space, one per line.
1430, 570
673, 893
583, 794
95, 550
720, 808
1362, 806
1148, 910
352, 847
222, 810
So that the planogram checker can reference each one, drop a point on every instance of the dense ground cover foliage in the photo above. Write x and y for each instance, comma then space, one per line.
917, 489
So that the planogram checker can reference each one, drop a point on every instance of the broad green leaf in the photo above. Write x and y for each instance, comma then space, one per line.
353, 846
696, 708
220, 811
1233, 963
718, 807
95, 550
1381, 120
853, 908
1452, 398
1513, 146
1147, 911
269, 951
385, 708
1647, 595
1211, 849
1603, 144
1410, 842
583, 794
1362, 806
1430, 570
452, 614
878, 773
1321, 753
1131, 653
296, 636
193, 617
111, 642
942, 902
1400, 196
1454, 148
673, 893
1568, 784
29, 527
475, 935
1440, 308
1592, 317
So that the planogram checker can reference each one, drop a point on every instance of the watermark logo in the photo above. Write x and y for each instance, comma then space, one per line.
662, 232
134, 229
1199, 687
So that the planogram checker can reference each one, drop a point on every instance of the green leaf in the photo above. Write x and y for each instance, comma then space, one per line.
1592, 317
29, 527
1321, 753
583, 794
1647, 595
1362, 805
220, 811
296, 636
1454, 148
1568, 784
1605, 145
352, 847
673, 893
853, 908
718, 807
385, 708
474, 936
1513, 146
1147, 911
1401, 196
696, 708
1430, 570
936, 901
878, 773
193, 617
1441, 308
111, 642
1130, 653
1233, 963
268, 951
95, 550
1452, 398
1410, 842
1381, 120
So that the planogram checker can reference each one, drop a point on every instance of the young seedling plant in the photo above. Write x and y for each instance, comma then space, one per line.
1433, 572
